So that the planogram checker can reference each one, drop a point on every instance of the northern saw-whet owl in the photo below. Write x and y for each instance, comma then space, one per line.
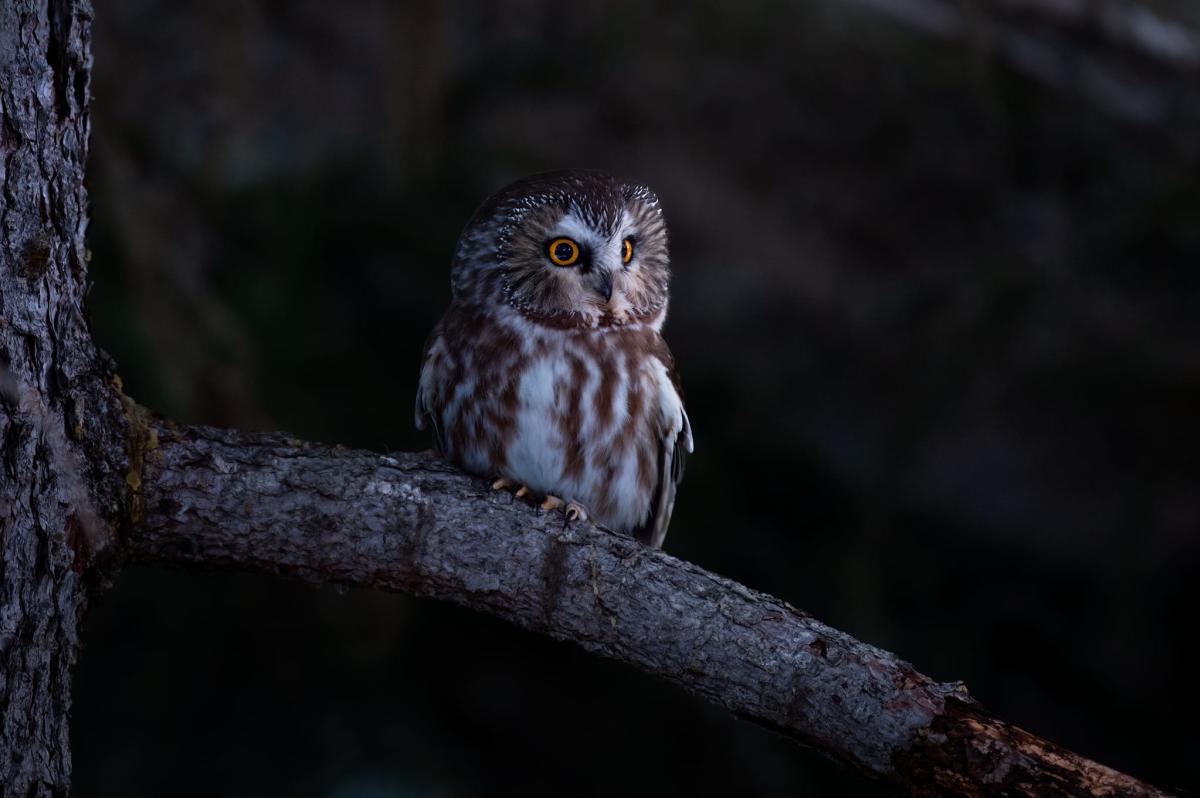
548, 371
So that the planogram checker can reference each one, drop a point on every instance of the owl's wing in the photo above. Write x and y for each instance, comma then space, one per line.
423, 414
673, 448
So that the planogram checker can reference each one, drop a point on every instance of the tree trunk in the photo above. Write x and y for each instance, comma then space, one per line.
60, 423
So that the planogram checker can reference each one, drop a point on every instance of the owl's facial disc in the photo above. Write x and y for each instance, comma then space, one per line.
568, 249
565, 252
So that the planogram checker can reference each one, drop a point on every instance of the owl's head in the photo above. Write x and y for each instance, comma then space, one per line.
567, 249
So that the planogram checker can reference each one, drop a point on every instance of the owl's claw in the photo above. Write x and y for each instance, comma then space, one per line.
572, 511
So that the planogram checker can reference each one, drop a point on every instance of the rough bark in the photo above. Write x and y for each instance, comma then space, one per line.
409, 523
61, 445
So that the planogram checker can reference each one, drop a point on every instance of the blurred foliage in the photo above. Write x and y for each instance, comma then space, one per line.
936, 326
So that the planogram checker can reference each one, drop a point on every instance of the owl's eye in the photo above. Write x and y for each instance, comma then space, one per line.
627, 250
563, 252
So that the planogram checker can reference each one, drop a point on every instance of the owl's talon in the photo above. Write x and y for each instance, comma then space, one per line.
504, 483
551, 503
522, 492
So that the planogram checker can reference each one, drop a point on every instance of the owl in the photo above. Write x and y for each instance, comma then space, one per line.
549, 372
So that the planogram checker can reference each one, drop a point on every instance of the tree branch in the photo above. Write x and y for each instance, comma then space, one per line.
1128, 60
409, 523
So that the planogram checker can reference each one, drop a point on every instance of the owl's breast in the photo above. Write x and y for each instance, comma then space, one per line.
579, 415
588, 425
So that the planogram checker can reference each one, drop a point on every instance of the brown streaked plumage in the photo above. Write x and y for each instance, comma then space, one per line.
548, 370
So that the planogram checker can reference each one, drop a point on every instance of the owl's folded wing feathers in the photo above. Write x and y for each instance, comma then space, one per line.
673, 447
422, 412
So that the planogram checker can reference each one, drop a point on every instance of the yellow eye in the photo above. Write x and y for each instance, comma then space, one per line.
563, 252
627, 250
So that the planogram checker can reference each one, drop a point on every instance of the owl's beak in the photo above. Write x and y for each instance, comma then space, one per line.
602, 283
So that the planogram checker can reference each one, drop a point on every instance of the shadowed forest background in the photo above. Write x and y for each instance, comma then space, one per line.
936, 323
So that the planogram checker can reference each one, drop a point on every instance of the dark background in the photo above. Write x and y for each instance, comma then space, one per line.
935, 309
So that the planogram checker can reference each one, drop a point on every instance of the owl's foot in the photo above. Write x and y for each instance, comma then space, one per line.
572, 511
521, 491
504, 483
576, 512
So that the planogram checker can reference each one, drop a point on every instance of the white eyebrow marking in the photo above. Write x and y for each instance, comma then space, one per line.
572, 226
626, 227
